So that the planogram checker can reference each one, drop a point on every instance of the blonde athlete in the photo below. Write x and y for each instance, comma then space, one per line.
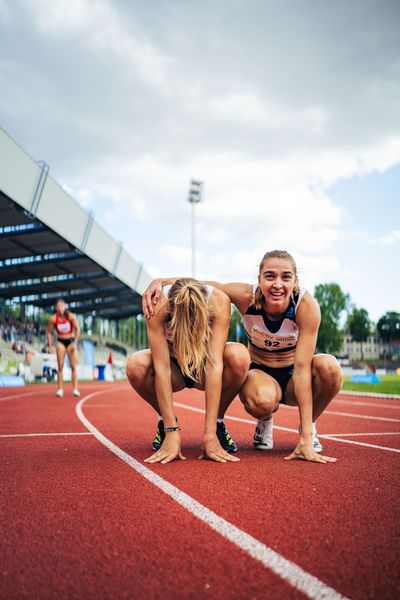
66, 326
281, 323
188, 348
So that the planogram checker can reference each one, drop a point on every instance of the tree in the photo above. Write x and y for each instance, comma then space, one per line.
359, 326
332, 302
236, 329
388, 327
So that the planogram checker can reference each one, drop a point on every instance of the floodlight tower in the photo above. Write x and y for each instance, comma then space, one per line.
195, 195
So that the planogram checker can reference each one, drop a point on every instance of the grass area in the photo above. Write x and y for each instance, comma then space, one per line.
390, 384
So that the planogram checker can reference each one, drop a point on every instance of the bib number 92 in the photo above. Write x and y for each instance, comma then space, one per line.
271, 344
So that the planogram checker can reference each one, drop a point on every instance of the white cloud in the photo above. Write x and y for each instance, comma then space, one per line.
101, 29
128, 101
179, 256
387, 240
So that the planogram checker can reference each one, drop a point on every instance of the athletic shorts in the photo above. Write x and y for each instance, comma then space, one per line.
281, 375
189, 383
66, 341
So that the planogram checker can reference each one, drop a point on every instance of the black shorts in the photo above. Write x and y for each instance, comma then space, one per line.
66, 341
189, 383
281, 375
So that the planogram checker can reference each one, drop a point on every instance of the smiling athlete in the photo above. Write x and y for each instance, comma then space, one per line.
281, 323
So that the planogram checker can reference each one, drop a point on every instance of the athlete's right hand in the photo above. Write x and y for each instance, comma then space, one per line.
150, 297
213, 450
305, 451
169, 451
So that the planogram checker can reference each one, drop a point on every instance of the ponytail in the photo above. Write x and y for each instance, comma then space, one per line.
190, 326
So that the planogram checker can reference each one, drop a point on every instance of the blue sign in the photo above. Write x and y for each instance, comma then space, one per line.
88, 351
11, 380
367, 378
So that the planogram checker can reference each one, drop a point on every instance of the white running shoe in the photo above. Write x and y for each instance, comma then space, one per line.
263, 434
317, 446
60, 393
76, 392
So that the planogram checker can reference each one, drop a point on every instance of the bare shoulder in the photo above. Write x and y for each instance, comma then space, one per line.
52, 320
240, 294
219, 302
308, 312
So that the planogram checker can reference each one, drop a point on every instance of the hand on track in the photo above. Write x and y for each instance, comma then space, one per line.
305, 451
213, 450
150, 298
169, 451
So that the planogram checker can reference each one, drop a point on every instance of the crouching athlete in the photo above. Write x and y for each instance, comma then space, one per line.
188, 348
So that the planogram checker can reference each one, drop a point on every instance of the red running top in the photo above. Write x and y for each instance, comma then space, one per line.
63, 327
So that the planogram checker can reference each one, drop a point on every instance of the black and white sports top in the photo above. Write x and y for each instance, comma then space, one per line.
269, 338
167, 324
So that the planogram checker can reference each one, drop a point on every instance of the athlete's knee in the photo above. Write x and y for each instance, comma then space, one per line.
260, 402
237, 359
327, 368
137, 367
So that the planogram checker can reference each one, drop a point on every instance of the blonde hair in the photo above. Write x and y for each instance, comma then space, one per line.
190, 326
259, 300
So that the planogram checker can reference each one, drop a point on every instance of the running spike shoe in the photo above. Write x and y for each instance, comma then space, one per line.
263, 439
317, 446
225, 439
160, 435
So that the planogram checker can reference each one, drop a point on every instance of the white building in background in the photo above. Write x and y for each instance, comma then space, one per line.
373, 349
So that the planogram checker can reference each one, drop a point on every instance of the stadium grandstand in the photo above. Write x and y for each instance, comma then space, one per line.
50, 247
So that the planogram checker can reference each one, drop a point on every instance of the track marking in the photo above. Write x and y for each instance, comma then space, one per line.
329, 437
357, 416
4, 398
357, 403
347, 414
275, 562
369, 394
19, 435
324, 436
361, 434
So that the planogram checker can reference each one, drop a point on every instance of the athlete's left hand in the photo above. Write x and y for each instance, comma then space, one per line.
213, 450
305, 451
169, 451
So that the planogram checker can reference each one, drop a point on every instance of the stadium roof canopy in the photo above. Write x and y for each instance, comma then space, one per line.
50, 247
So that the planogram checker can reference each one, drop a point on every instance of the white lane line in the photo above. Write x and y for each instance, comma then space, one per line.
275, 562
328, 435
357, 416
325, 436
348, 414
27, 394
370, 394
19, 435
358, 403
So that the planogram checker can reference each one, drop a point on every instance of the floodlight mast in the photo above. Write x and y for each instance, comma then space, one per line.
195, 196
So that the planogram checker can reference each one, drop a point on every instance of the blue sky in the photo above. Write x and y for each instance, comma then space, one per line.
288, 111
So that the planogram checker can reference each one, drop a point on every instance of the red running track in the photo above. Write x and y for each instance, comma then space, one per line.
80, 521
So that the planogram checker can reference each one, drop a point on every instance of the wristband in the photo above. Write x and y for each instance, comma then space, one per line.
177, 428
